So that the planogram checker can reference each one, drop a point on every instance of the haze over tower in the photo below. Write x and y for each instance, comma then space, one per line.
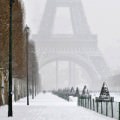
78, 45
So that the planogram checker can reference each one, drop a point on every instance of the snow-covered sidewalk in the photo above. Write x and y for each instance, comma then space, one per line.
49, 107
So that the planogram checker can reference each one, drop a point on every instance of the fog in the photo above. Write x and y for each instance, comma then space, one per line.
102, 17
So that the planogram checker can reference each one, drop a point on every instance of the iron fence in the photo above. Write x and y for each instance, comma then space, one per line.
110, 109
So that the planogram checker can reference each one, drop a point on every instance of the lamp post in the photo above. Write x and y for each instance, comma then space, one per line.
10, 113
27, 38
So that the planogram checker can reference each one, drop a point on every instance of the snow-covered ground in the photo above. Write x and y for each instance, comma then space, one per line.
49, 107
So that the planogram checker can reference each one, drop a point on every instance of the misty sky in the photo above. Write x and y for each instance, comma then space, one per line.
103, 17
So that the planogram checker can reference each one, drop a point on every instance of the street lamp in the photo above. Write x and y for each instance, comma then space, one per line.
10, 113
27, 30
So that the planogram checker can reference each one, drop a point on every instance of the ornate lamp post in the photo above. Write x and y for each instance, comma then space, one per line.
10, 113
27, 30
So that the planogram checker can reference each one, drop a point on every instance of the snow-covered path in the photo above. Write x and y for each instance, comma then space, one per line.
49, 107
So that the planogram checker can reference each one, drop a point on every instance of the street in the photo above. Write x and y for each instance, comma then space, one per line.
49, 107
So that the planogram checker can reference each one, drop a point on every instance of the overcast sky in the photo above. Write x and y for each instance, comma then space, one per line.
103, 17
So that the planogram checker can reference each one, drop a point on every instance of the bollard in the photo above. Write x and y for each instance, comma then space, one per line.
106, 108
112, 109
101, 108
90, 102
81, 101
97, 106
78, 101
85, 102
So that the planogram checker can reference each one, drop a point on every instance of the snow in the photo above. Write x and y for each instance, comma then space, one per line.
49, 107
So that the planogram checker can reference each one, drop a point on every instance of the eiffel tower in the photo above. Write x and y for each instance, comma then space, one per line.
81, 47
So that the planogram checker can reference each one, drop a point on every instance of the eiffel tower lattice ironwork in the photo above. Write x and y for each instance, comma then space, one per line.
80, 47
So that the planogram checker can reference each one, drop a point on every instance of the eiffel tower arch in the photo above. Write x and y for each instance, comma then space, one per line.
80, 47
